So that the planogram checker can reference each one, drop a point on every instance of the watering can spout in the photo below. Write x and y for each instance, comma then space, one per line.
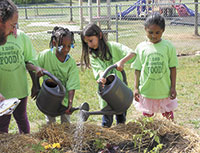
105, 111
83, 106
84, 115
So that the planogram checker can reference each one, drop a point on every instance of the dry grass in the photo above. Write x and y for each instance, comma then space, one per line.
174, 138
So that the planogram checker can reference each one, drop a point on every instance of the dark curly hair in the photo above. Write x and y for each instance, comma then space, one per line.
57, 35
7, 9
156, 19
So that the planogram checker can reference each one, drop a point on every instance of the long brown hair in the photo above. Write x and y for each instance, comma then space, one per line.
101, 52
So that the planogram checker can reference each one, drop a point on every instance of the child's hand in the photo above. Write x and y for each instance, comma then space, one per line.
172, 93
102, 80
136, 95
39, 71
120, 65
1, 97
68, 112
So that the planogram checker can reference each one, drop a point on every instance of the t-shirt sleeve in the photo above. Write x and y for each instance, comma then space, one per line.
40, 59
137, 65
119, 51
73, 81
97, 67
29, 51
173, 60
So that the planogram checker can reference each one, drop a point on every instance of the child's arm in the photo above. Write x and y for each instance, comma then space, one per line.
31, 67
173, 83
136, 85
120, 64
70, 101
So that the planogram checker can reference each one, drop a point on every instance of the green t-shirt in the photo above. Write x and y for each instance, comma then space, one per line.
13, 55
154, 61
118, 51
66, 72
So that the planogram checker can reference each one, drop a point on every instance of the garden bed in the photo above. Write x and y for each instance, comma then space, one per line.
144, 134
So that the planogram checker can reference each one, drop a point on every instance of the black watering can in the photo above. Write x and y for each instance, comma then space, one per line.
115, 92
50, 97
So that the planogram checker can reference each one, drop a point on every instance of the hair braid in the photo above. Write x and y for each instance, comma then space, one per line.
57, 36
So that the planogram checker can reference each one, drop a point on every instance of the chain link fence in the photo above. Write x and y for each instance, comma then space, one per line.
121, 22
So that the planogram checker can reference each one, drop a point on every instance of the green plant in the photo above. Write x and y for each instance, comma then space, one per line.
99, 143
152, 134
37, 148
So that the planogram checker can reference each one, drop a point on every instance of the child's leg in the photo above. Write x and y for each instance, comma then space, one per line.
107, 120
168, 115
65, 118
50, 119
148, 115
21, 117
4, 123
121, 118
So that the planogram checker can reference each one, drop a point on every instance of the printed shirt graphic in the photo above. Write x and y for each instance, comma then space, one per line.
13, 74
118, 51
154, 61
66, 72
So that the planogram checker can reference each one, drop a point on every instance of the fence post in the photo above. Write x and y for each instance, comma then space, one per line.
116, 22
26, 15
71, 14
120, 11
81, 14
196, 18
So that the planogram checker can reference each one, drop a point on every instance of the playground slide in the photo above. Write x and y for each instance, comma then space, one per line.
183, 10
131, 8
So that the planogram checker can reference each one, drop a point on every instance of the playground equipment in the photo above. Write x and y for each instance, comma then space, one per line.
167, 8
143, 8
183, 10
97, 18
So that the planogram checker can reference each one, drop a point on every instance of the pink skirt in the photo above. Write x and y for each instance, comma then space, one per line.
151, 106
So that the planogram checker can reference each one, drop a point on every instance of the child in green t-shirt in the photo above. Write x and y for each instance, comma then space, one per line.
59, 63
155, 71
100, 54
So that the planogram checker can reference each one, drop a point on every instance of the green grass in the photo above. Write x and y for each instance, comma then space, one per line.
130, 33
188, 87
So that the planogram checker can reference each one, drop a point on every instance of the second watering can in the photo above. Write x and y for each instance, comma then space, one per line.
51, 95
115, 92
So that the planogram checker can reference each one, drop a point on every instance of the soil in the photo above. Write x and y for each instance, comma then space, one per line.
150, 135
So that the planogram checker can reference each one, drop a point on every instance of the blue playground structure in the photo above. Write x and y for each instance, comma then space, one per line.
141, 7
135, 5
183, 10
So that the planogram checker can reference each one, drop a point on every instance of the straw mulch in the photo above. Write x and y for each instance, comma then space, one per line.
91, 138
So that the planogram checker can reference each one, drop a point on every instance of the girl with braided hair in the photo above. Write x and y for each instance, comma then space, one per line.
58, 62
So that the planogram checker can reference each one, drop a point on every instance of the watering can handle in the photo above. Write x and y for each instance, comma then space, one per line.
62, 89
110, 68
